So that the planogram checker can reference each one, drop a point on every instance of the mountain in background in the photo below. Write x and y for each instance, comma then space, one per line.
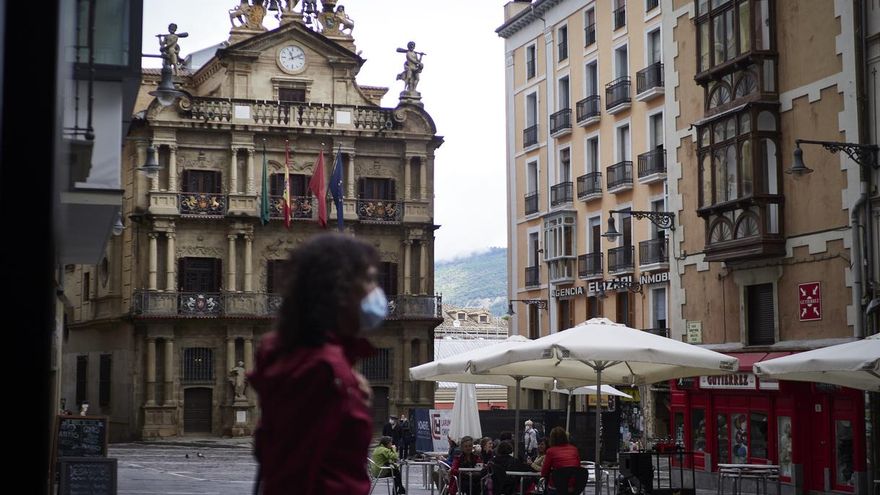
475, 281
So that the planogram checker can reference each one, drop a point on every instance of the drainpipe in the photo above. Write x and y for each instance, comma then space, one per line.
859, 325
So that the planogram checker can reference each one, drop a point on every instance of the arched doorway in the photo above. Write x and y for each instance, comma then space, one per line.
197, 410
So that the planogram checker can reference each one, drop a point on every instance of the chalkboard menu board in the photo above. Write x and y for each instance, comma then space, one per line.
81, 436
88, 476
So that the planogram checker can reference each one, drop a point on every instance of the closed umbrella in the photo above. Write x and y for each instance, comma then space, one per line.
587, 390
465, 412
602, 351
853, 364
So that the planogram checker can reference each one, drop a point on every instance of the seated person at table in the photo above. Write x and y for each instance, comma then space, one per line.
560, 454
487, 450
539, 460
386, 455
500, 465
466, 459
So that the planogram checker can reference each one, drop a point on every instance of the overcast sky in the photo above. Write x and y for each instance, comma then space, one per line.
462, 87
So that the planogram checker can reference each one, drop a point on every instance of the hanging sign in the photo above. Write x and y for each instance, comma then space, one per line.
810, 301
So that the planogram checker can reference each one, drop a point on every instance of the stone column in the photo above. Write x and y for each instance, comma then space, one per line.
407, 260
172, 168
248, 263
169, 371
349, 176
407, 359
250, 172
233, 171
230, 263
170, 265
248, 354
140, 157
407, 180
151, 371
154, 180
423, 178
154, 254
424, 390
230, 353
423, 269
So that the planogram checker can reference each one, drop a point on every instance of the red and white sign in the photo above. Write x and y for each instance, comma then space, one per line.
810, 301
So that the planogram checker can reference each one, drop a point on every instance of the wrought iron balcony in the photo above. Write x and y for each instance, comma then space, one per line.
588, 110
202, 204
379, 210
746, 228
301, 207
292, 115
663, 332
409, 307
620, 176
653, 254
530, 136
589, 186
620, 259
651, 5
533, 276
620, 18
649, 82
617, 94
590, 265
561, 193
560, 122
531, 203
652, 166
590, 34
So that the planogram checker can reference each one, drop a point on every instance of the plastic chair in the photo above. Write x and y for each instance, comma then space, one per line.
563, 476
386, 475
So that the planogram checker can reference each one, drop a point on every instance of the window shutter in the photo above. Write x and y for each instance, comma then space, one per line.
760, 314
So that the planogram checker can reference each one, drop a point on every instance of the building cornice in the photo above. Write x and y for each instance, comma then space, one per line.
535, 11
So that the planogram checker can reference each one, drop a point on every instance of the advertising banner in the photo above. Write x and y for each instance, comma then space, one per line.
424, 443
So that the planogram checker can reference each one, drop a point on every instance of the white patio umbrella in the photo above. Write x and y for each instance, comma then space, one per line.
465, 412
853, 364
587, 390
457, 368
602, 351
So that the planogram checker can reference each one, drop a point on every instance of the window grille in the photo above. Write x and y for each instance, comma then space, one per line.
378, 367
198, 364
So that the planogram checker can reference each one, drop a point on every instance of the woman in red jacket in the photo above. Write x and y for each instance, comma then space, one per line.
466, 459
316, 423
560, 454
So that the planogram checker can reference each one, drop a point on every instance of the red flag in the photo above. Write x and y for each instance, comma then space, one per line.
286, 195
316, 186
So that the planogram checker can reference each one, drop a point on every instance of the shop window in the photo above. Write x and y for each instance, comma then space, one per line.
843, 453
678, 425
739, 430
783, 428
722, 430
698, 430
760, 314
758, 435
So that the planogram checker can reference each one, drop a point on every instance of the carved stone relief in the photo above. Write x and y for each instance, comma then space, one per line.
199, 160
200, 252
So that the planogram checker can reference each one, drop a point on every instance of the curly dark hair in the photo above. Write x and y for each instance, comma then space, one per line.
505, 447
558, 436
323, 287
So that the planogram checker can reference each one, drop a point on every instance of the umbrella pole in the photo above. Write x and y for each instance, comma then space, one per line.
516, 418
598, 426
568, 410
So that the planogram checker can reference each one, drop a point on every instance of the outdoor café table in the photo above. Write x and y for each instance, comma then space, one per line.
522, 475
470, 473
427, 467
739, 472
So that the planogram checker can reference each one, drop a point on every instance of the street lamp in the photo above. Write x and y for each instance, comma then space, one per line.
151, 167
166, 93
662, 219
865, 155
539, 303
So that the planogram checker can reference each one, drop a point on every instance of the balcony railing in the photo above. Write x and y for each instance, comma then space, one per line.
589, 185
620, 175
652, 162
409, 307
663, 332
588, 108
533, 276
300, 207
296, 115
379, 210
653, 252
590, 34
202, 204
590, 265
650, 77
563, 270
651, 5
620, 259
620, 18
561, 193
617, 92
530, 136
560, 121
531, 203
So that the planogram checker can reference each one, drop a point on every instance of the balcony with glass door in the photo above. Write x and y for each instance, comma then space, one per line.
621, 260
653, 255
620, 18
561, 194
617, 95
530, 136
589, 110
530, 203
589, 186
590, 266
560, 123
533, 276
649, 82
652, 166
620, 177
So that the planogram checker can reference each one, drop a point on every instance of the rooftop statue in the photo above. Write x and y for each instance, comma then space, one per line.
411, 68
250, 16
168, 47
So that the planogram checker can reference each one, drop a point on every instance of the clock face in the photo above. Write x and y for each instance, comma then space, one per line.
292, 58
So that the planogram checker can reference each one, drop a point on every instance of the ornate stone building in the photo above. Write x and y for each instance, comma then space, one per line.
185, 292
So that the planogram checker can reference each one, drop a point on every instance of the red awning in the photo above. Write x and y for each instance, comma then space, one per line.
747, 359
